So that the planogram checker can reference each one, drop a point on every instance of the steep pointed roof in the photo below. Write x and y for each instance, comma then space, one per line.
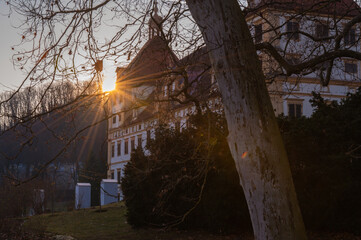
149, 64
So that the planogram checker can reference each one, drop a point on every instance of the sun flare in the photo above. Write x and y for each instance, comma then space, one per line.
108, 84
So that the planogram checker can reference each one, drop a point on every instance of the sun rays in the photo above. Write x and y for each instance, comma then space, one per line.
108, 84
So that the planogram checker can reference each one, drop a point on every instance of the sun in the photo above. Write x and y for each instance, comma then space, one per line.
108, 84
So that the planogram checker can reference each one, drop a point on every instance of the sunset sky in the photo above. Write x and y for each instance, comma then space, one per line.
10, 78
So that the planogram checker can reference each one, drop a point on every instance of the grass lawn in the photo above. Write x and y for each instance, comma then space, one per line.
109, 224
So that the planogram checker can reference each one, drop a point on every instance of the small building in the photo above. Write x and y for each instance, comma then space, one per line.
108, 191
82, 195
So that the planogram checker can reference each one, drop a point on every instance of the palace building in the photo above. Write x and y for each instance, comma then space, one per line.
157, 87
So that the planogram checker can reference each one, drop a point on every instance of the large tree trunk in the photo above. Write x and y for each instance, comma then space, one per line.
254, 137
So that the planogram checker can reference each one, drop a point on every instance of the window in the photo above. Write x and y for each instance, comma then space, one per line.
140, 140
350, 37
173, 86
118, 175
292, 30
329, 101
294, 87
295, 110
350, 67
213, 78
114, 119
293, 59
324, 89
113, 150
112, 175
126, 148
177, 126
165, 91
132, 144
323, 66
261, 62
135, 112
148, 136
258, 33
119, 148
352, 89
321, 31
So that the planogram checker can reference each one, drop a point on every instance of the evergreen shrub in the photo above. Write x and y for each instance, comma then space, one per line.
187, 179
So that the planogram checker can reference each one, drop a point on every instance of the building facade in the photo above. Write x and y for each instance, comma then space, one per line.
147, 90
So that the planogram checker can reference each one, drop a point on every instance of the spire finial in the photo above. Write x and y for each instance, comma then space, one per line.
155, 21
156, 7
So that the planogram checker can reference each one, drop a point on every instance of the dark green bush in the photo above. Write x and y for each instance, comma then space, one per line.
324, 153
188, 179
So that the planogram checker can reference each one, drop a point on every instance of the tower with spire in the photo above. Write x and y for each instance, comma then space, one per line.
155, 22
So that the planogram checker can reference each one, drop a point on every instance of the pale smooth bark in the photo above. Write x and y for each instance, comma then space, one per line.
254, 137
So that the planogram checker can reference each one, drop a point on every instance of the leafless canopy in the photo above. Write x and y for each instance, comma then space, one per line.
62, 40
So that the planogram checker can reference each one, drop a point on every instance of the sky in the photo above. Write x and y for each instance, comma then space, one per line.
11, 78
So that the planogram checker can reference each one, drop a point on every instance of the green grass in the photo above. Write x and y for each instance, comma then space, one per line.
109, 224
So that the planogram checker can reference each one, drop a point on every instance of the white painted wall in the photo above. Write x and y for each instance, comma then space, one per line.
303, 92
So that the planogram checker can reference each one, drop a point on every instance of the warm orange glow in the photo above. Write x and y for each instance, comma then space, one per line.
244, 155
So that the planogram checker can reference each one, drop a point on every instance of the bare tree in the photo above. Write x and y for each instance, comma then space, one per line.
66, 44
